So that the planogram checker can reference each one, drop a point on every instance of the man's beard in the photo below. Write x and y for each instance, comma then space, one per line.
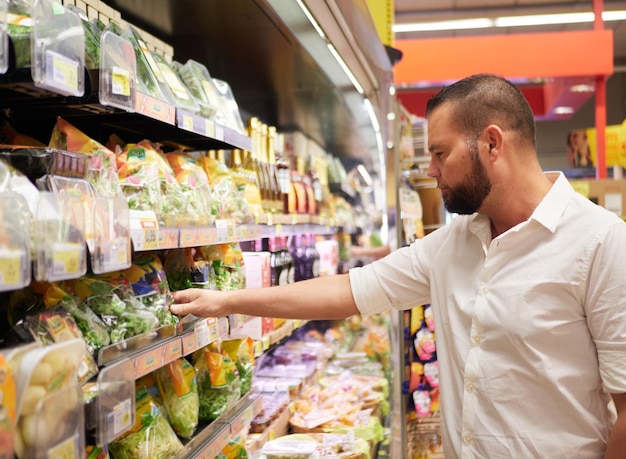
466, 198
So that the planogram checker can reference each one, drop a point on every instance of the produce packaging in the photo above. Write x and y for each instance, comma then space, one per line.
200, 84
187, 268
151, 437
137, 166
227, 264
218, 382
195, 186
20, 24
48, 400
179, 392
229, 106
241, 351
8, 408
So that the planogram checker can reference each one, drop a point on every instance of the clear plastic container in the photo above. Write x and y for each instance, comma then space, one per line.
60, 249
112, 248
230, 106
197, 78
118, 72
15, 241
50, 412
57, 49
182, 98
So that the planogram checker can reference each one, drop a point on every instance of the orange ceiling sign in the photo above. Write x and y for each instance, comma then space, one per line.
540, 55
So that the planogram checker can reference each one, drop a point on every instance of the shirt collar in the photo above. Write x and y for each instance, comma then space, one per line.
547, 213
552, 206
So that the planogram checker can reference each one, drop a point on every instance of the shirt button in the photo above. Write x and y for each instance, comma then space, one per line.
484, 291
477, 339
470, 387
467, 439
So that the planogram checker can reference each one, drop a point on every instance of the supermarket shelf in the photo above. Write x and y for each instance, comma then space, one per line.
33, 109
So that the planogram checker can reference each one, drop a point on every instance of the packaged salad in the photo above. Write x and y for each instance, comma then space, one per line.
241, 351
151, 437
195, 185
136, 168
179, 392
218, 381
228, 265
102, 169
187, 268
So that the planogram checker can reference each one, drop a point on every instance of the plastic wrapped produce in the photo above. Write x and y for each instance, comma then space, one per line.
195, 185
151, 437
241, 351
177, 385
227, 265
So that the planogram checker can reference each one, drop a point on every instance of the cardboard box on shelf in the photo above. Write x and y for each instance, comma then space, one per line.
608, 193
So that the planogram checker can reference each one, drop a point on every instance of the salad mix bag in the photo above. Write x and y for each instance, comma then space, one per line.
241, 351
151, 437
102, 170
139, 166
187, 268
218, 381
195, 185
179, 392
227, 201
227, 264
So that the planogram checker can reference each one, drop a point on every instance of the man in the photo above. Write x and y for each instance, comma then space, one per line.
527, 284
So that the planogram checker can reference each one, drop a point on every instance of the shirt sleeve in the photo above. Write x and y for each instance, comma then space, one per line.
400, 280
605, 304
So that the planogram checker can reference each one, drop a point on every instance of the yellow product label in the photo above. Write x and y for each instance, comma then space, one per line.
10, 270
173, 82
120, 82
151, 62
64, 450
19, 20
66, 261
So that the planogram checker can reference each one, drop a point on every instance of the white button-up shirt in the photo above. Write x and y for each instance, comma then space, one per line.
530, 326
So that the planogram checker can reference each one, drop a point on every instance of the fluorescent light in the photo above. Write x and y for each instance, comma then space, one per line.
311, 19
563, 110
477, 23
345, 68
543, 19
508, 21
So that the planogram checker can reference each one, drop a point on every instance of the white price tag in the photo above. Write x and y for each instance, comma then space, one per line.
201, 330
121, 417
120, 82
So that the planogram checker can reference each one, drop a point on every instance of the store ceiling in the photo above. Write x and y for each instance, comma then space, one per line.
426, 11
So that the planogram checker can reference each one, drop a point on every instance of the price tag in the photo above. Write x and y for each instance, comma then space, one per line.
120, 81
67, 449
201, 330
173, 351
144, 230
62, 73
219, 132
209, 127
188, 237
121, 417
11, 268
148, 362
213, 329
189, 343
66, 260
242, 421
187, 123
214, 448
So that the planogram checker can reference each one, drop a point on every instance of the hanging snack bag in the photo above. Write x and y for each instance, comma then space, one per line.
179, 392
195, 185
218, 381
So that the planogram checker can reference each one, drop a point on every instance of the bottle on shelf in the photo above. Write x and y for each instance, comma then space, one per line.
275, 193
288, 271
269, 245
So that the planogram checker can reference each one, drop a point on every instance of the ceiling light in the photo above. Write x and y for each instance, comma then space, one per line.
508, 21
582, 88
477, 23
563, 110
345, 68
311, 19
